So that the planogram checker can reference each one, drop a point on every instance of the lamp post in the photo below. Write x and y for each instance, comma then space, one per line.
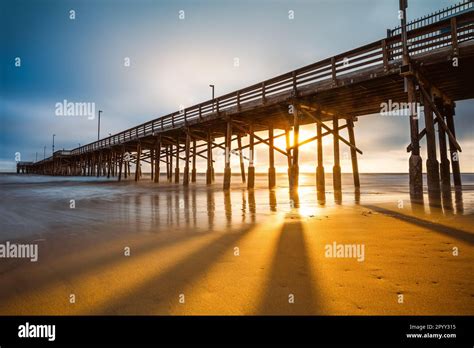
98, 126
53, 142
212, 86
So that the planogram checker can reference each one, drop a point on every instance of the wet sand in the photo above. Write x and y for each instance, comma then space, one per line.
201, 251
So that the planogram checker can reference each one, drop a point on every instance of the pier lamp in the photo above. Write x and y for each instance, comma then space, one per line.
212, 86
98, 126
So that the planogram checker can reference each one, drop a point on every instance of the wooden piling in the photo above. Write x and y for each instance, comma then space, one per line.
271, 160
114, 162
336, 170
415, 161
251, 169
209, 160
241, 158
152, 164
228, 141
432, 164
443, 151
109, 165
295, 166
120, 166
355, 165
99, 162
167, 160
193, 171
176, 172
186, 164
126, 160
213, 172
288, 156
137, 166
170, 157
320, 180
156, 179
454, 156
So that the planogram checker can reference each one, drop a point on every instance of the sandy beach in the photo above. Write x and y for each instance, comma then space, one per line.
200, 251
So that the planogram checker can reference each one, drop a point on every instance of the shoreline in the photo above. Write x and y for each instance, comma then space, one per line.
183, 242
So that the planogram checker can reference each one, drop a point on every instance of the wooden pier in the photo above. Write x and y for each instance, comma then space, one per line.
427, 61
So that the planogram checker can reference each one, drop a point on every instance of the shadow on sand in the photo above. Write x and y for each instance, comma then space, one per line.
290, 274
432, 226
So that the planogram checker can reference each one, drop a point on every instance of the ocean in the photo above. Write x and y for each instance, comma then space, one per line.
32, 206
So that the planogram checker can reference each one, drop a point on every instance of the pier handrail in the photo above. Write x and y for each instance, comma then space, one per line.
430, 36
448, 12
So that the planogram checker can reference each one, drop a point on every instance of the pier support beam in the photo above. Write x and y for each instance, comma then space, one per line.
228, 143
241, 158
170, 164
449, 112
320, 181
152, 164
288, 156
443, 151
137, 166
120, 166
294, 163
186, 164
271, 160
415, 161
355, 165
176, 172
109, 164
432, 165
104, 164
193, 171
114, 163
213, 172
336, 170
167, 160
126, 171
99, 164
209, 160
156, 179
251, 169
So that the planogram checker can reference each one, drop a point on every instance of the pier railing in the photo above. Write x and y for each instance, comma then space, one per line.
448, 12
426, 34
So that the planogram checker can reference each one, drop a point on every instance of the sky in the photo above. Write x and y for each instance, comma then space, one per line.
174, 59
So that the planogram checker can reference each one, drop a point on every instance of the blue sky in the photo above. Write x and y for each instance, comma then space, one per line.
173, 61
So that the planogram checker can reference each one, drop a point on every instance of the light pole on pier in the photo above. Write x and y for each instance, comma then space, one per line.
53, 142
98, 126
212, 86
